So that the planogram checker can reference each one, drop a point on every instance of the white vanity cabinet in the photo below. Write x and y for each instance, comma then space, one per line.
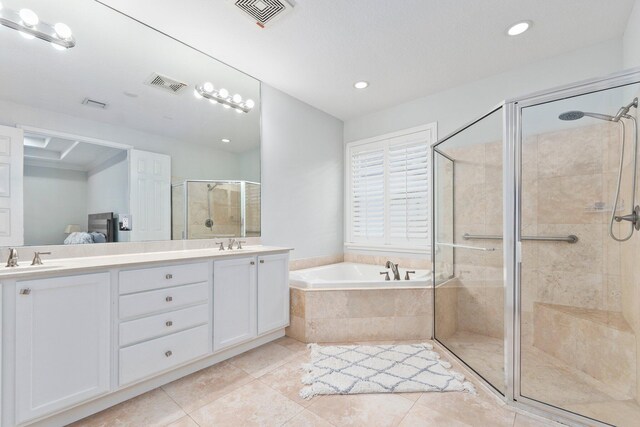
234, 301
62, 342
250, 298
273, 292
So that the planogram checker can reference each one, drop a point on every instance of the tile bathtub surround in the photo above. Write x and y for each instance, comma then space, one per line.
301, 264
360, 314
417, 262
261, 390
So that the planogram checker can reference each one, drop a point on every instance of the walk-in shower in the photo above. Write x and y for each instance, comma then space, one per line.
540, 302
634, 216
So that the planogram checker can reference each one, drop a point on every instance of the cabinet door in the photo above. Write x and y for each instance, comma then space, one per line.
62, 342
11, 200
273, 292
234, 301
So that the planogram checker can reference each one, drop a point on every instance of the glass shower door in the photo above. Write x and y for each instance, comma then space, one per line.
578, 294
468, 255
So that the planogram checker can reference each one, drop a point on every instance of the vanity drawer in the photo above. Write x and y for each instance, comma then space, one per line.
146, 279
163, 324
162, 299
152, 357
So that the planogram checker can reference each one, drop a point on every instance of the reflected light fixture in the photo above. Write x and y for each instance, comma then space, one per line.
361, 85
226, 141
26, 21
519, 28
221, 96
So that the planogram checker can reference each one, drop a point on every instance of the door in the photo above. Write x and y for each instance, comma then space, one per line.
273, 292
150, 196
62, 342
11, 202
234, 301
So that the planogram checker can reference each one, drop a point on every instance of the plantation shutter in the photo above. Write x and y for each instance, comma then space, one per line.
367, 194
408, 192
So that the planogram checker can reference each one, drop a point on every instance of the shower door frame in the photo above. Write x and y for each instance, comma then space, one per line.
512, 239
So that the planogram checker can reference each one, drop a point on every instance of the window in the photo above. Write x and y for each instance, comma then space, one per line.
388, 191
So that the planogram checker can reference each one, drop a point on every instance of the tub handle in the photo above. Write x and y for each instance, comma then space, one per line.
387, 275
406, 275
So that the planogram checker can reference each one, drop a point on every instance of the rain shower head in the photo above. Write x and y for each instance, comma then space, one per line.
576, 115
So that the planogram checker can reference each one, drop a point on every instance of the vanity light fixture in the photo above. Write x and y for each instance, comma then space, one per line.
361, 85
221, 96
519, 28
26, 21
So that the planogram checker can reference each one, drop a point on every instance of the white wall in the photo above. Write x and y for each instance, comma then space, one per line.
108, 186
53, 199
455, 107
302, 177
631, 40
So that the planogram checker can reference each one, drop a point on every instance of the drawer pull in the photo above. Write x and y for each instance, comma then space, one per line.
25, 291
169, 323
169, 276
168, 353
252, 263
169, 299
261, 261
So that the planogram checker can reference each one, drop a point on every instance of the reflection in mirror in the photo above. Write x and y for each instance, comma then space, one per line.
113, 123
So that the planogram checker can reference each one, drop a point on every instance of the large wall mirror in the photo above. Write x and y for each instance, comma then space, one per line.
129, 135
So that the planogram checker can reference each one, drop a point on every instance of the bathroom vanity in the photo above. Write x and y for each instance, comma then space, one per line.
80, 335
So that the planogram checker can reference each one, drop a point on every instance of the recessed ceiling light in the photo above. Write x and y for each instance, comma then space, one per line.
361, 85
226, 141
519, 28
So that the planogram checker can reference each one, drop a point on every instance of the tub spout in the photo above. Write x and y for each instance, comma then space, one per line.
394, 269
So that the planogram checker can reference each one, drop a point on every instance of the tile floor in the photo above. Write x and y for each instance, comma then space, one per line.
260, 388
548, 379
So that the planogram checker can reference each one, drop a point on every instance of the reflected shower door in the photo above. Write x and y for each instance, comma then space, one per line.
468, 266
579, 302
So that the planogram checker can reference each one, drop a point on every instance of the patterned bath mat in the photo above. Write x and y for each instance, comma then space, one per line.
354, 369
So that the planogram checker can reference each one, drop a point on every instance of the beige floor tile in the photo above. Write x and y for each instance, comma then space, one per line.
154, 408
307, 419
185, 421
292, 345
525, 421
421, 416
205, 386
254, 404
287, 379
371, 410
411, 396
467, 408
263, 359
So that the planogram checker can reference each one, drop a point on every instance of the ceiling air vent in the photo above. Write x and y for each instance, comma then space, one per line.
264, 12
95, 104
165, 83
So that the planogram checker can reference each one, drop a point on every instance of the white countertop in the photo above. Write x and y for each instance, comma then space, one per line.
73, 265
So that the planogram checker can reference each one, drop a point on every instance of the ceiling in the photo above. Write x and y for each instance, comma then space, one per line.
110, 63
406, 49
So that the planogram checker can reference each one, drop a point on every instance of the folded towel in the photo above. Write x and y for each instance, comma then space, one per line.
98, 237
79, 237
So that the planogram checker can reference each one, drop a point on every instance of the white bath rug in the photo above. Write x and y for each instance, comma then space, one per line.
355, 369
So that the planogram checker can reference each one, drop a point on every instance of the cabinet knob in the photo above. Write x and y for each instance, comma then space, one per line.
169, 323
169, 276
261, 261
168, 353
25, 291
252, 263
169, 299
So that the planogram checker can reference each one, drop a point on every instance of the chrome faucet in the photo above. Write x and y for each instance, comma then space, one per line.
12, 261
231, 242
394, 269
36, 258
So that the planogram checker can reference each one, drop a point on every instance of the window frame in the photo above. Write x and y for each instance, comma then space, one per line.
385, 244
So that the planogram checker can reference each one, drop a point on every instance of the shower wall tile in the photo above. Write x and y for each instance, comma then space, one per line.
574, 152
565, 198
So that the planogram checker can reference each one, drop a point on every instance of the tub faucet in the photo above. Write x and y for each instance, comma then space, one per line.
394, 269
12, 261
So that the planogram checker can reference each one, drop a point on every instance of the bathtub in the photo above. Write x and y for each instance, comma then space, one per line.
348, 275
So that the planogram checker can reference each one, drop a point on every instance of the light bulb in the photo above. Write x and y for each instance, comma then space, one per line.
197, 94
29, 17
250, 104
208, 87
63, 31
225, 140
519, 28
237, 98
58, 47
361, 85
223, 93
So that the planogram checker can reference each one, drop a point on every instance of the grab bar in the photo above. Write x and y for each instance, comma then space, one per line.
572, 238
474, 248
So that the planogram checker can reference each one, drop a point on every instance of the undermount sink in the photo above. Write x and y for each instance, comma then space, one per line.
27, 267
